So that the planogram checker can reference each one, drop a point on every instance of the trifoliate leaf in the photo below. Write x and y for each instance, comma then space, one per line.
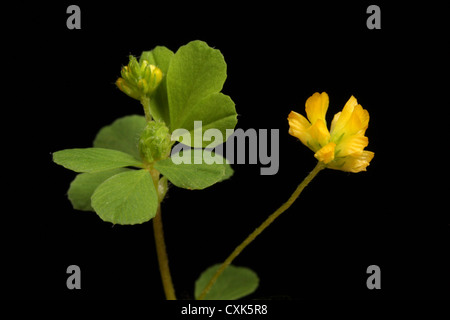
126, 198
94, 159
122, 135
233, 283
194, 169
84, 185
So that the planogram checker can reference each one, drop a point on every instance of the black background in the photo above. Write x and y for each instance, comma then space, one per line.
277, 56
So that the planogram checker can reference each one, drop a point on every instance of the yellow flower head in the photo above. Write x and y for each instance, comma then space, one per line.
139, 79
341, 148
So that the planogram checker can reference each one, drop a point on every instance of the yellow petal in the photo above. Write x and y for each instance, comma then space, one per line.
353, 163
326, 154
297, 119
351, 145
334, 122
341, 118
316, 107
298, 126
353, 120
358, 122
319, 134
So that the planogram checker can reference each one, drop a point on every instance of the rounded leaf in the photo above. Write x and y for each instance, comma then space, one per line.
233, 283
122, 135
126, 198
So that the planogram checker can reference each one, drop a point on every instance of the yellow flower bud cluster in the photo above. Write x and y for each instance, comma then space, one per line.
139, 80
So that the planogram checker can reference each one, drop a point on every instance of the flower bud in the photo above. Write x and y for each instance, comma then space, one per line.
155, 142
139, 80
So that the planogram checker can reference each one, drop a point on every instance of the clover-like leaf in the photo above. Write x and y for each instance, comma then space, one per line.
194, 169
195, 77
215, 111
84, 185
126, 198
233, 283
94, 159
122, 135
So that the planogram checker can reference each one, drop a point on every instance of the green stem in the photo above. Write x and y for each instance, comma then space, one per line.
163, 260
161, 250
145, 101
262, 227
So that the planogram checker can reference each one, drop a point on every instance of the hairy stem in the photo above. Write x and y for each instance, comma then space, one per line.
262, 227
146, 105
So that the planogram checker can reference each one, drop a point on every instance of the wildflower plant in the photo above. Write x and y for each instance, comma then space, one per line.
124, 176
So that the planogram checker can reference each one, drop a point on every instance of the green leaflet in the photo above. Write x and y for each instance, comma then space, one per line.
84, 185
195, 77
122, 135
195, 172
233, 283
159, 105
94, 159
126, 198
228, 172
215, 111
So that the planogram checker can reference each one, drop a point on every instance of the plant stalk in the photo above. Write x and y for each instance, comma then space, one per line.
320, 166
162, 256
146, 105
161, 250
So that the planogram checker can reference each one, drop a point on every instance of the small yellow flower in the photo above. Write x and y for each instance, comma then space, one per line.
341, 148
